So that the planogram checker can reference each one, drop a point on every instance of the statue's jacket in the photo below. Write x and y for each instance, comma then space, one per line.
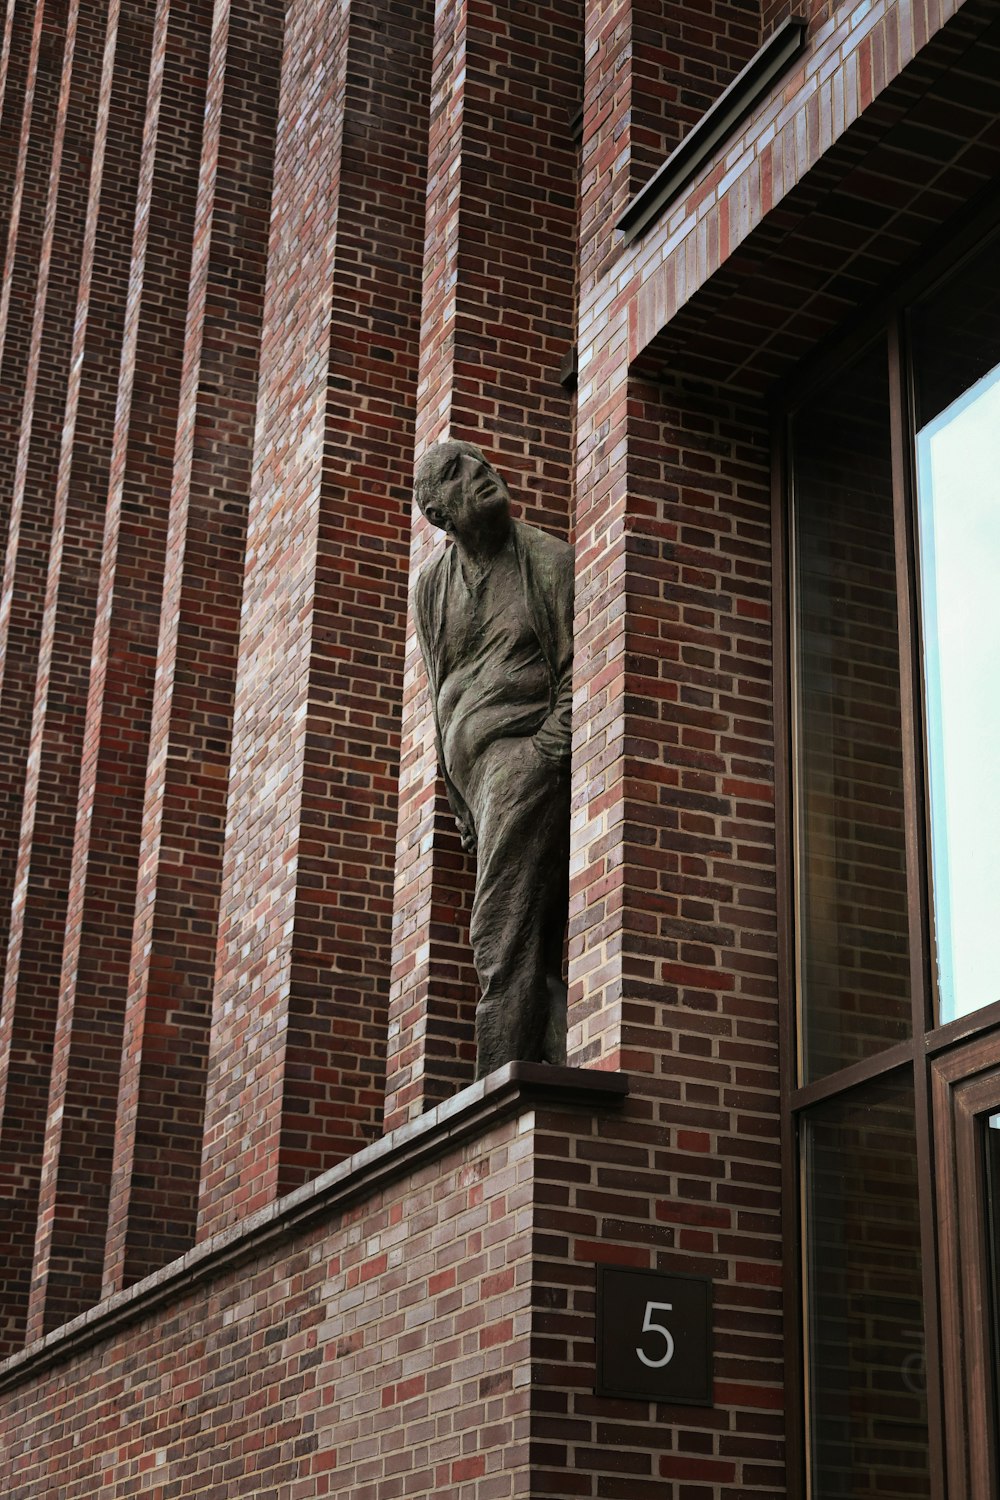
546, 568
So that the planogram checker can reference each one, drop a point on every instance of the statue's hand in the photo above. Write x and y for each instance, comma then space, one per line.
467, 835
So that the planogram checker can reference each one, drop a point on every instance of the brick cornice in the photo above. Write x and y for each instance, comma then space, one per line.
505, 1094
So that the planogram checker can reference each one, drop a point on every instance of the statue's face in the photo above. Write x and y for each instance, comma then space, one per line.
465, 493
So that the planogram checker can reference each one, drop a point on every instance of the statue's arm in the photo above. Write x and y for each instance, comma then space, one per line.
464, 821
554, 739
428, 630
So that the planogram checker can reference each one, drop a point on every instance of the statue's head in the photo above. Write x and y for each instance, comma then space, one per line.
458, 489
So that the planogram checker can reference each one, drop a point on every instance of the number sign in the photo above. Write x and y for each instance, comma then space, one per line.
654, 1336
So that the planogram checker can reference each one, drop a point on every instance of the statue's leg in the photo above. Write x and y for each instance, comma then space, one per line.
520, 909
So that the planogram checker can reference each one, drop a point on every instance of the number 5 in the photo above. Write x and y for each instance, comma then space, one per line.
650, 1327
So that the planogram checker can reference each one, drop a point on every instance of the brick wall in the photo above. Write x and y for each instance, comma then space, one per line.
677, 853
386, 1350
773, 12
79, 1141
438, 1338
286, 288
672, 923
24, 246
15, 57
674, 1185
37, 918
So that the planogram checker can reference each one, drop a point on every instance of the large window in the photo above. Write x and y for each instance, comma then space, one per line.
893, 506
956, 358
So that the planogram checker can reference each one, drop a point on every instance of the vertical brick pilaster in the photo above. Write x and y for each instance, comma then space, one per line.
89, 233
604, 150
157, 1159
15, 59
297, 1067
498, 322
673, 893
77, 1155
658, 512
596, 879
672, 929
21, 294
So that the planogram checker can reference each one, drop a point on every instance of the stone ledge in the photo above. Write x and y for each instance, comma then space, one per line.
508, 1092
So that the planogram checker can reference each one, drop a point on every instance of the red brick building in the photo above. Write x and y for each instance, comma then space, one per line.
716, 285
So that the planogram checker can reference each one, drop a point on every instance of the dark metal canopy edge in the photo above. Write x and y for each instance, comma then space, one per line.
716, 125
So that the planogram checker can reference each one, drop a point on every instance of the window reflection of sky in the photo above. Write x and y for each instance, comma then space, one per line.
958, 465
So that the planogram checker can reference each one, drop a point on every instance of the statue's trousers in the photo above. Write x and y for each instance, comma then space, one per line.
520, 802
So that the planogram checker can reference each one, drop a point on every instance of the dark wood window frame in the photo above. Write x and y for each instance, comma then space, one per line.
949, 1062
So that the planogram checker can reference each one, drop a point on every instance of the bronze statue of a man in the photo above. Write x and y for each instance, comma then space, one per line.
494, 615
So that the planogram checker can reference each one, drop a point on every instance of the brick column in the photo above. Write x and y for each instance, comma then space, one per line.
672, 928
90, 239
298, 1033
672, 775
596, 880
19, 331
76, 1166
157, 1161
15, 58
498, 323
673, 883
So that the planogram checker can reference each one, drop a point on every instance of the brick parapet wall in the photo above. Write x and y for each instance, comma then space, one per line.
367, 1329
157, 1160
438, 1335
390, 1303
674, 1184
497, 324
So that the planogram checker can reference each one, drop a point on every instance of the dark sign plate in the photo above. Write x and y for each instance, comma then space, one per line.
654, 1336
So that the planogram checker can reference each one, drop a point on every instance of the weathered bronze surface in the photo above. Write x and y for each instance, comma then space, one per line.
494, 615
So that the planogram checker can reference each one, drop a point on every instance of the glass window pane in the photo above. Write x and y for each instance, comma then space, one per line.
957, 357
867, 1377
853, 915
